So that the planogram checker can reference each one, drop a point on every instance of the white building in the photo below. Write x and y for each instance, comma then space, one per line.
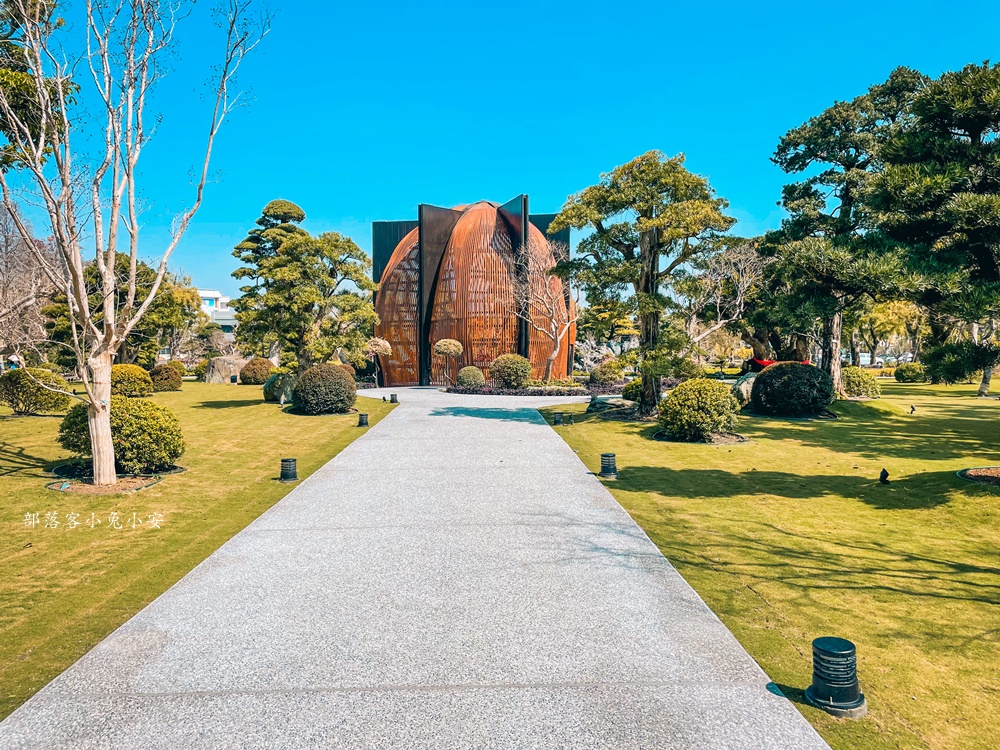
216, 306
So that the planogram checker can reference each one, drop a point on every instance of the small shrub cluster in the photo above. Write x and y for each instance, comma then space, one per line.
606, 373
325, 389
510, 371
791, 389
349, 369
23, 392
165, 378
910, 372
177, 365
470, 377
256, 371
697, 408
632, 390
131, 381
860, 383
146, 436
200, 369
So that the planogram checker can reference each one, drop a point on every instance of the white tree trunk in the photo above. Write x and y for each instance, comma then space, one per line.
99, 419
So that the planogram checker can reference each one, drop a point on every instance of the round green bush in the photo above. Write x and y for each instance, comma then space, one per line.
200, 369
911, 372
281, 384
131, 381
510, 371
256, 371
697, 408
606, 373
860, 383
325, 389
177, 365
51, 367
147, 437
791, 389
632, 390
21, 390
165, 378
349, 369
470, 377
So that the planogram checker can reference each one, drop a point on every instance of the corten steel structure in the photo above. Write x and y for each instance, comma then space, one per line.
451, 274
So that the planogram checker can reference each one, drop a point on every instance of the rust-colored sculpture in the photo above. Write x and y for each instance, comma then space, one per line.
452, 277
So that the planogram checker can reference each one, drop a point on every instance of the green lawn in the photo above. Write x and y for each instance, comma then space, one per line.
62, 590
790, 537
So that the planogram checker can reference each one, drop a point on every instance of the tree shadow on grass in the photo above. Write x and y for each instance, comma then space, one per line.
15, 459
497, 413
913, 492
235, 404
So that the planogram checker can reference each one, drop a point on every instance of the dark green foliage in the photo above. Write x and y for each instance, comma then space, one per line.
860, 383
256, 371
911, 372
200, 369
606, 373
697, 408
165, 378
958, 361
470, 377
632, 390
325, 389
510, 371
282, 384
147, 437
51, 367
791, 389
130, 380
20, 390
177, 365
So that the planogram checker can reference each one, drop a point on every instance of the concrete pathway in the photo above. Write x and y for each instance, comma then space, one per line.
453, 579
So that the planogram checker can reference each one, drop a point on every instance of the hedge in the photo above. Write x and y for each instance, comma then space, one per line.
911, 372
860, 383
21, 390
698, 408
791, 389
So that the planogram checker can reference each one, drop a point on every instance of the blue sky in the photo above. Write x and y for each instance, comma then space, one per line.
363, 110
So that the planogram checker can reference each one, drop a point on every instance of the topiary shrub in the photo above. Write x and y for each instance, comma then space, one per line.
860, 383
281, 384
510, 371
165, 378
791, 389
697, 408
22, 391
606, 373
177, 365
131, 381
147, 437
325, 389
910, 372
256, 371
200, 369
349, 369
470, 377
632, 390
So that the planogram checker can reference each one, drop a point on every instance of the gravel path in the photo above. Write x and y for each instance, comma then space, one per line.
453, 579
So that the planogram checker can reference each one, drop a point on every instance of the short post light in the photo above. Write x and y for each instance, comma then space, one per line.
289, 472
393, 399
835, 687
557, 418
362, 420
609, 469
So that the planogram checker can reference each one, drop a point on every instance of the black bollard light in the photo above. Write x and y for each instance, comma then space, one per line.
393, 399
569, 418
557, 418
288, 470
609, 469
835, 687
362, 420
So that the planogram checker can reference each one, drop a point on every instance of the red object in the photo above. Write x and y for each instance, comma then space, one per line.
769, 362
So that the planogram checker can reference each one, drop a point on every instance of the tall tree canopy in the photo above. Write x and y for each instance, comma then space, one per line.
825, 250
312, 294
650, 217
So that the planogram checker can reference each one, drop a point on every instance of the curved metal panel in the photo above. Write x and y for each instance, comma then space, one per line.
396, 304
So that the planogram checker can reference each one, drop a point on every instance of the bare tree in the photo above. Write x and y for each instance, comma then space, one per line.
24, 286
95, 203
718, 294
542, 298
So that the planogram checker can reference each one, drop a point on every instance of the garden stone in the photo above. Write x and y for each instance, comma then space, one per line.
278, 388
743, 387
221, 369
